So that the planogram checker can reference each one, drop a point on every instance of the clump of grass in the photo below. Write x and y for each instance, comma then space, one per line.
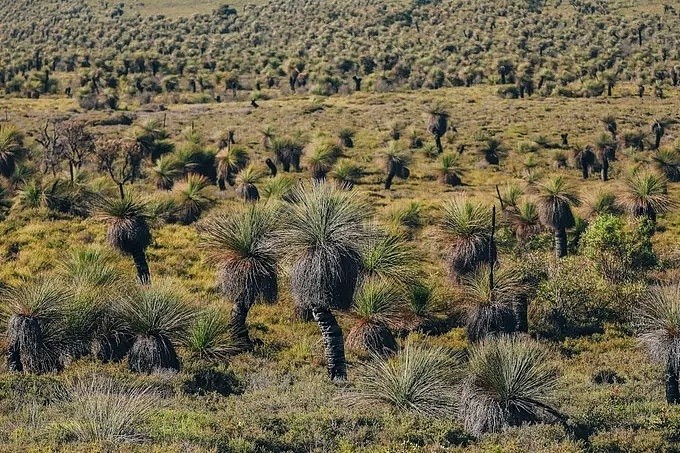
646, 195
418, 379
408, 216
489, 305
279, 188
376, 309
210, 338
245, 184
192, 198
346, 173
157, 316
510, 195
603, 202
101, 410
321, 157
466, 225
509, 382
448, 170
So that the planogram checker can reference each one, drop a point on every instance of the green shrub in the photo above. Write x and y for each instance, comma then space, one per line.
620, 251
593, 88
527, 146
572, 301
628, 441
508, 92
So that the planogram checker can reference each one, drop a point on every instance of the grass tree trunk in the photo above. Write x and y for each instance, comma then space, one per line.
333, 342
151, 353
438, 142
521, 314
14, 350
604, 171
672, 390
390, 176
560, 243
142, 267
239, 314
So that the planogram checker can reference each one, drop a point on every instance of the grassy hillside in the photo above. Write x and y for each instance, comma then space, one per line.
180, 8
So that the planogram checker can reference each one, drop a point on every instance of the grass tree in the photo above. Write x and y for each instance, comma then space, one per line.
509, 381
11, 145
437, 124
376, 310
279, 187
646, 195
346, 173
346, 138
321, 157
37, 328
491, 150
192, 198
659, 130
323, 233
525, 220
603, 202
127, 230
396, 164
153, 139
448, 170
554, 209
229, 162
668, 162
658, 323
288, 152
424, 307
406, 218
417, 379
92, 316
165, 172
609, 122
510, 196
467, 225
387, 256
94, 293
490, 302
242, 247
267, 137
157, 318
210, 339
245, 184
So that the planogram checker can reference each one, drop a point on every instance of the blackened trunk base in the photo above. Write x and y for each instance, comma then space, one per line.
143, 274
560, 243
239, 314
333, 343
672, 391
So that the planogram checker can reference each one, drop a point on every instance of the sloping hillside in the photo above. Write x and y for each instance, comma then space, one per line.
545, 47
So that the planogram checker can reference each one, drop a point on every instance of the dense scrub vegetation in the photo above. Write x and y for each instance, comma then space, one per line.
379, 248
103, 52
